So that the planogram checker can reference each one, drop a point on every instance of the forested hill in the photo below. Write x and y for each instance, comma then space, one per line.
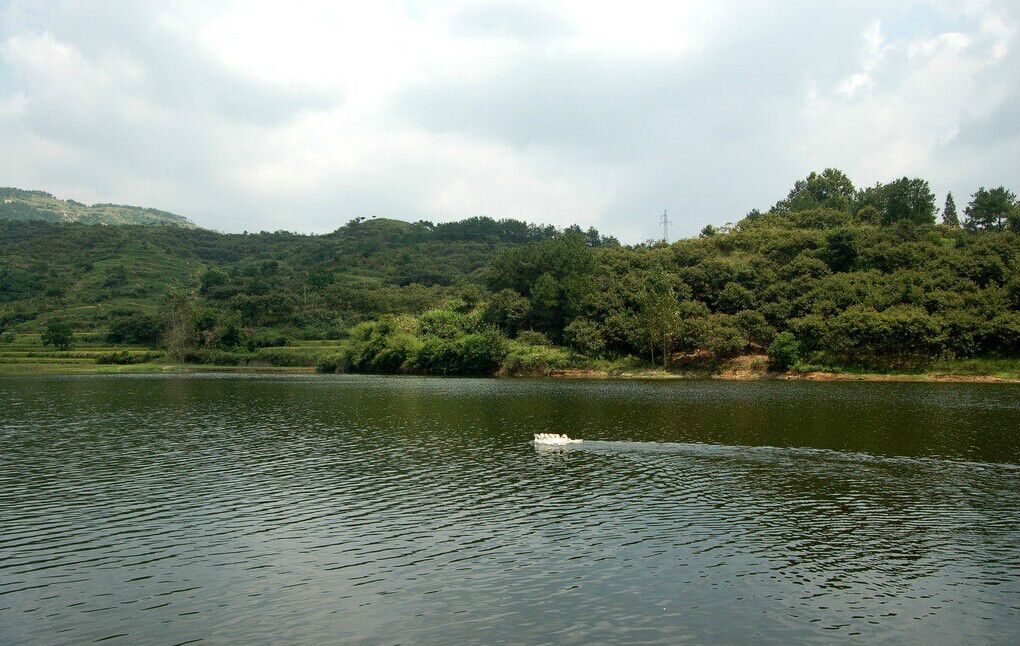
18, 204
309, 284
834, 274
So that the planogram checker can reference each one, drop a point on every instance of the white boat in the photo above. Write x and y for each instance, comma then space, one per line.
554, 439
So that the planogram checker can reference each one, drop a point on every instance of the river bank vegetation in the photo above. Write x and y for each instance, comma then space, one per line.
831, 277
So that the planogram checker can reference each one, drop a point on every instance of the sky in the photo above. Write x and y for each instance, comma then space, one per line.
302, 115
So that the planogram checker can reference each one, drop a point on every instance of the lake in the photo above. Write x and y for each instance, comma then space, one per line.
402, 510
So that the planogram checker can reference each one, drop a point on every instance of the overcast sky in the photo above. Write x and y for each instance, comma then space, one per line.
300, 116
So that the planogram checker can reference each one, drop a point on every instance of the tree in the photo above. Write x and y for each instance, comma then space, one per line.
949, 216
179, 333
661, 314
784, 351
585, 336
754, 327
58, 334
734, 298
211, 279
842, 248
480, 353
988, 209
831, 189
545, 305
720, 337
138, 328
506, 310
905, 199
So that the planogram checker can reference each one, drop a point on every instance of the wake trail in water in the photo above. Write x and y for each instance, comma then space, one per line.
696, 449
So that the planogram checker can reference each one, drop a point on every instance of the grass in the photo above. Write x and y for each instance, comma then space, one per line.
989, 367
27, 356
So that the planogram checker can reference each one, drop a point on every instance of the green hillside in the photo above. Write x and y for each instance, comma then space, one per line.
310, 285
830, 276
18, 204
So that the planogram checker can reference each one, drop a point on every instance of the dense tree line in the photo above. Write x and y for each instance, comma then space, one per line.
831, 273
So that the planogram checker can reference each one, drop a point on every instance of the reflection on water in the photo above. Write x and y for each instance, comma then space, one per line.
299, 510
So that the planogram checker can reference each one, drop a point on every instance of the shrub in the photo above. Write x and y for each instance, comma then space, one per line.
532, 360
265, 341
481, 353
7, 337
122, 358
396, 351
784, 351
442, 323
211, 357
288, 358
139, 328
437, 356
532, 337
329, 363
585, 336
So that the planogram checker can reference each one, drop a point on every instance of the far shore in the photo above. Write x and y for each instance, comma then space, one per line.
728, 375
60, 369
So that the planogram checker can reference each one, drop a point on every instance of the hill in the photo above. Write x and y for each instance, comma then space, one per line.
830, 276
18, 204
310, 285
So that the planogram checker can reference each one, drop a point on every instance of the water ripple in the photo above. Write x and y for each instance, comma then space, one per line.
367, 510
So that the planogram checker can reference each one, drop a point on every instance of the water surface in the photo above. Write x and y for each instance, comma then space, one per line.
361, 510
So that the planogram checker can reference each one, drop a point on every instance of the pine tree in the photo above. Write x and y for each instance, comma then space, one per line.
949, 217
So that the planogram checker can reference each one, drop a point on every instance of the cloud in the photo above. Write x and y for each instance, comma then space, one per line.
515, 20
256, 115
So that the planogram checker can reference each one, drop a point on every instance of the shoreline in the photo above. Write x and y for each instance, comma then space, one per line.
27, 369
933, 377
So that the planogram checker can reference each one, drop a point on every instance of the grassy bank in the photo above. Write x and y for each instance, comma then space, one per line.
90, 355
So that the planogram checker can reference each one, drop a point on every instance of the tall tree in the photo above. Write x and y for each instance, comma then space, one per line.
180, 334
660, 311
949, 216
831, 189
990, 209
904, 199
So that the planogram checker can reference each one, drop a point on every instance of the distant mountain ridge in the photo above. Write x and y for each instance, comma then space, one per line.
19, 204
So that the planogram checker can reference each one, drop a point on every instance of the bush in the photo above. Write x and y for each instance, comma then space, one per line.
442, 323
585, 336
784, 351
122, 358
139, 328
531, 337
481, 353
437, 356
125, 358
7, 337
532, 360
287, 358
397, 350
211, 357
329, 363
265, 341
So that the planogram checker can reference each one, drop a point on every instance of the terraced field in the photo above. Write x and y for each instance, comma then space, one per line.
91, 354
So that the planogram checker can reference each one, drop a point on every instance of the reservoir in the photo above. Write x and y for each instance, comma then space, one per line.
219, 509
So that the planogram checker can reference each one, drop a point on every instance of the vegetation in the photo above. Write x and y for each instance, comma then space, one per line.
17, 204
831, 275
58, 334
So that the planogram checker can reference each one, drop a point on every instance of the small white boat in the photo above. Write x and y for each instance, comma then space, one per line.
554, 439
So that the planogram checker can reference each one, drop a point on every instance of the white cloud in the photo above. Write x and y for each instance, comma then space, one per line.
312, 113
